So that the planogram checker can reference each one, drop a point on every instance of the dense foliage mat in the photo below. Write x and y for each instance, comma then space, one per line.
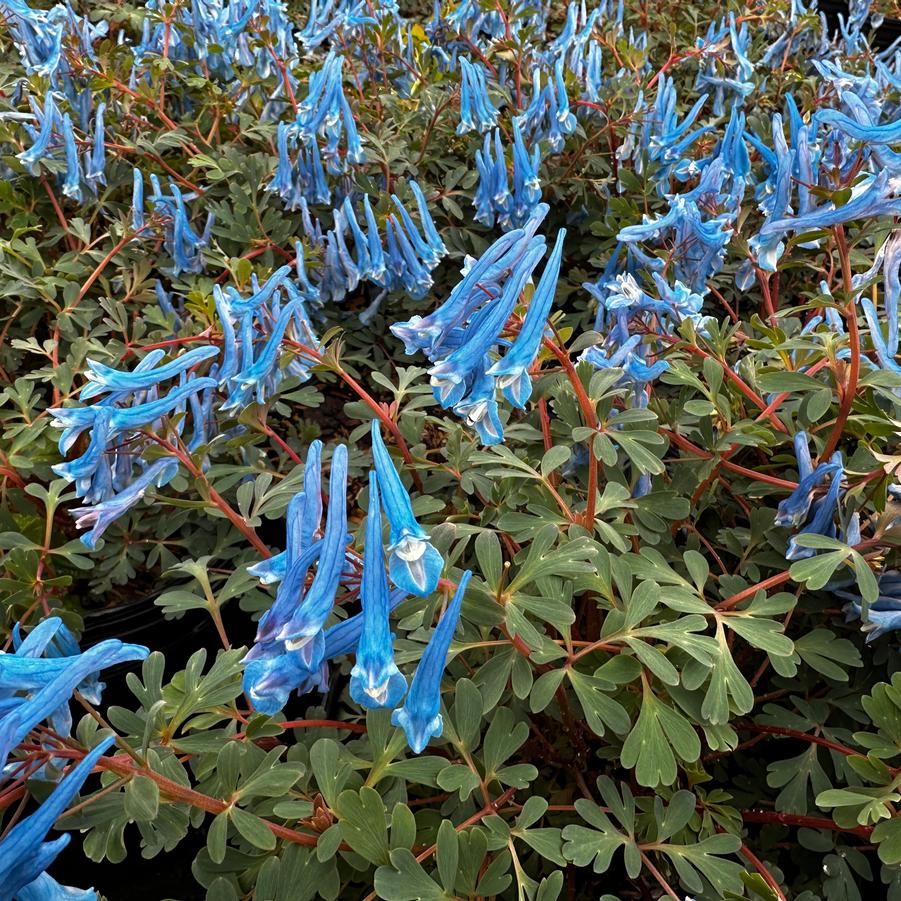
514, 391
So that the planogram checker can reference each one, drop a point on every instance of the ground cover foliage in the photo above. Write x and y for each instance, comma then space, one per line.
513, 387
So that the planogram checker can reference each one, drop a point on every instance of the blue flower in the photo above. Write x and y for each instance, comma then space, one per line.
94, 172
477, 112
449, 376
41, 143
375, 680
428, 332
413, 562
794, 509
479, 407
35, 689
303, 631
884, 614
511, 371
303, 522
102, 515
258, 376
869, 199
420, 717
24, 855
46, 888
137, 200
104, 378
822, 520
72, 183
890, 133
269, 680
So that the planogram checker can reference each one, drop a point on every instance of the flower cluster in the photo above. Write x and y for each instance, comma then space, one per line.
36, 682
461, 335
293, 646
494, 199
248, 368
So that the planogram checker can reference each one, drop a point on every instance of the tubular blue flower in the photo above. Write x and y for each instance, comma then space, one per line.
41, 144
427, 332
97, 160
512, 370
793, 510
101, 516
81, 469
72, 183
303, 522
428, 225
448, 377
126, 418
479, 408
104, 378
884, 614
262, 295
303, 631
889, 133
256, 376
477, 113
46, 888
870, 199
54, 685
420, 717
19, 673
64, 644
343, 637
413, 562
24, 855
269, 681
137, 200
375, 680
822, 521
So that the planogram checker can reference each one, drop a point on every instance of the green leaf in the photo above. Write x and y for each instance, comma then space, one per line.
828, 654
363, 824
659, 735
887, 835
816, 571
252, 829
596, 846
601, 711
404, 879
554, 459
447, 855
142, 799
217, 836
488, 553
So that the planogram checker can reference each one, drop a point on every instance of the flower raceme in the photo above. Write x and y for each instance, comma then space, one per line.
462, 336
293, 644
125, 404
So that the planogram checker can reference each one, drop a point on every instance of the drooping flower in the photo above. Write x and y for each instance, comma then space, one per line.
375, 680
793, 510
303, 631
102, 515
413, 562
102, 378
477, 112
511, 370
420, 716
884, 614
24, 855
